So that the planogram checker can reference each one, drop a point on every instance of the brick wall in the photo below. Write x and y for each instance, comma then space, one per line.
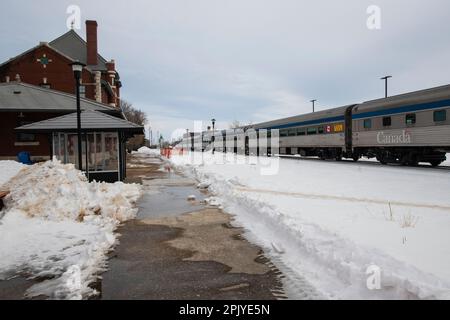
9, 143
58, 73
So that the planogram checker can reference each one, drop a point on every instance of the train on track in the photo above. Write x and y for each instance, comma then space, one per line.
406, 129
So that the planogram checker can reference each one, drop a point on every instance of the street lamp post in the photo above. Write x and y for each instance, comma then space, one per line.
313, 104
213, 139
386, 85
77, 68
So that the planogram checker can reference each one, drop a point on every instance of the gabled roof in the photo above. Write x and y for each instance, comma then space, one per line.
42, 44
19, 96
90, 121
72, 45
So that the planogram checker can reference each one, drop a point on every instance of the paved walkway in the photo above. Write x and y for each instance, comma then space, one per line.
177, 249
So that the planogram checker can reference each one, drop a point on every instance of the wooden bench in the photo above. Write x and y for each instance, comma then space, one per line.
2, 195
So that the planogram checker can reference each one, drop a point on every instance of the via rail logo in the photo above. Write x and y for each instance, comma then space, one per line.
405, 137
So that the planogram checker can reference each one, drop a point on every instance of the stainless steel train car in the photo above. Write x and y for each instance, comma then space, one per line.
407, 129
319, 134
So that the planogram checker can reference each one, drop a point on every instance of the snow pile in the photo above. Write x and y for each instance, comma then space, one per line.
335, 223
9, 169
147, 150
60, 227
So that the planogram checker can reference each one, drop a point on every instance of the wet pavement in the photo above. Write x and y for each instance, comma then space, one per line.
169, 201
177, 249
180, 249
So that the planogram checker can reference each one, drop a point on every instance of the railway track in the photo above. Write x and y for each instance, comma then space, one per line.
342, 198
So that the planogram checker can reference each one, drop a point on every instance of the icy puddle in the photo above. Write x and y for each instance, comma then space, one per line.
168, 201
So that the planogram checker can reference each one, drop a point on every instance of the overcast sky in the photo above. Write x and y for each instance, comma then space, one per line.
248, 60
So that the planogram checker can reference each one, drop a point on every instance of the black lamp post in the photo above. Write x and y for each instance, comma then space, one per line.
77, 68
386, 85
213, 139
314, 104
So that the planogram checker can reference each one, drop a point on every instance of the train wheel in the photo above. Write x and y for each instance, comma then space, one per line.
381, 160
435, 163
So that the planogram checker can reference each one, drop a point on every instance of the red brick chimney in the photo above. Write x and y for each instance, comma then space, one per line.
91, 39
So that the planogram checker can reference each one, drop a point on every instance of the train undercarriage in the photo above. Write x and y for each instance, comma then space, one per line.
384, 155
404, 155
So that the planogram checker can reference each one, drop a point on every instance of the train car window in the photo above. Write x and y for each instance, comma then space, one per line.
367, 123
292, 132
387, 121
410, 118
283, 133
440, 115
321, 130
301, 132
312, 131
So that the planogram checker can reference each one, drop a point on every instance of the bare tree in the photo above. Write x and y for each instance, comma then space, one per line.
133, 114
235, 124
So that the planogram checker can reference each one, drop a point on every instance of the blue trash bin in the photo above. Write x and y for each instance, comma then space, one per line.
24, 157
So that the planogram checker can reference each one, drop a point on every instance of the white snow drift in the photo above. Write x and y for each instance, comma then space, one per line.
58, 226
334, 223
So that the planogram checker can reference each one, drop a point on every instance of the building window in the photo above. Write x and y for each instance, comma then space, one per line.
301, 132
25, 137
83, 91
387, 121
410, 118
292, 132
321, 130
367, 123
311, 131
283, 133
440, 115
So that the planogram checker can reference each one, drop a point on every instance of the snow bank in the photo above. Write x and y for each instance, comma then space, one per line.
9, 169
333, 223
147, 150
60, 227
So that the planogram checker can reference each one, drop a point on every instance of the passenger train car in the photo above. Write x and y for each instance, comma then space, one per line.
407, 129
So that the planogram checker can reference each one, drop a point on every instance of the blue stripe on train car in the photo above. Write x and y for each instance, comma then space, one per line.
403, 109
307, 123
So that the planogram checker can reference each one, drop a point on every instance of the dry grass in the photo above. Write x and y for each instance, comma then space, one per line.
409, 221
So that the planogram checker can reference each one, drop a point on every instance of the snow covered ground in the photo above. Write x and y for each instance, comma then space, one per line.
58, 226
147, 150
350, 230
9, 169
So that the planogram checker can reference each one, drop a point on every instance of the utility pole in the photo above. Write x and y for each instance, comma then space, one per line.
314, 104
386, 85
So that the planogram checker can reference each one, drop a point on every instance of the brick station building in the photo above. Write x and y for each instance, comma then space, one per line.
38, 85
47, 65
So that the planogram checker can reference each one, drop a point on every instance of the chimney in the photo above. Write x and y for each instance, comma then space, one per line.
91, 38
